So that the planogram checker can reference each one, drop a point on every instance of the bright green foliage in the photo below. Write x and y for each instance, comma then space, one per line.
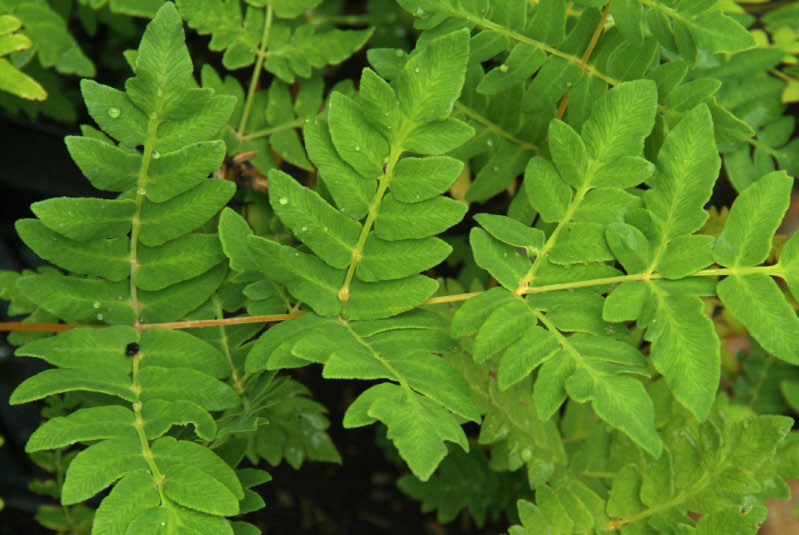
582, 337
755, 299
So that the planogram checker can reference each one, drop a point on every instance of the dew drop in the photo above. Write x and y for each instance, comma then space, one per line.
156, 155
303, 229
141, 191
490, 142
386, 114
496, 168
357, 148
96, 304
503, 68
325, 229
419, 12
388, 127
114, 112
417, 69
283, 201
399, 53
430, 118
60, 224
99, 317
160, 92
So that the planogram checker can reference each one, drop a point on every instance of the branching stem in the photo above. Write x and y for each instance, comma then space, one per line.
490, 25
774, 270
550, 243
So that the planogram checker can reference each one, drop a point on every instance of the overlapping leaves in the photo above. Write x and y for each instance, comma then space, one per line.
142, 257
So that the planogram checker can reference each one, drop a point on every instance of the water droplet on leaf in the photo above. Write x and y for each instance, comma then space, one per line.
503, 68
357, 147
96, 304
156, 155
283, 201
114, 112
99, 317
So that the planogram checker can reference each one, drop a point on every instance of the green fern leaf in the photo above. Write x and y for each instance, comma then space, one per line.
754, 217
99, 465
293, 52
90, 218
84, 425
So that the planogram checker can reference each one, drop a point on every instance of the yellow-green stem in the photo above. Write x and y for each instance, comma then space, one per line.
550, 243
382, 186
774, 270
141, 189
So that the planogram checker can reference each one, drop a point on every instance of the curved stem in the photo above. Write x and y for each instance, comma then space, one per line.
470, 113
288, 125
256, 73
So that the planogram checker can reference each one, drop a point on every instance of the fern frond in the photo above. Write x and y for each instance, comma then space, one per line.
139, 254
